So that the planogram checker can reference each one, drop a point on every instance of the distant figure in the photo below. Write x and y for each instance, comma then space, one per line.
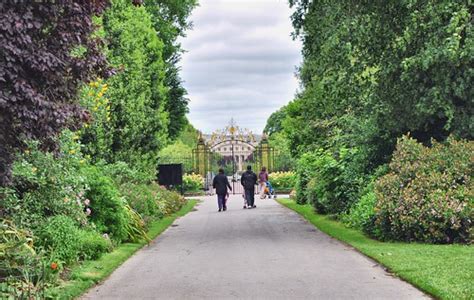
221, 183
262, 180
249, 180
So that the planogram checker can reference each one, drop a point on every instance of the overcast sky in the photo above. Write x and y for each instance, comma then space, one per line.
240, 62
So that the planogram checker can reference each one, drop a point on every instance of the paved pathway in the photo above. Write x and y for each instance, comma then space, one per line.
265, 253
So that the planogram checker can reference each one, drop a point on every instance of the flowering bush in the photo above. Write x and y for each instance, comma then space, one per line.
168, 201
428, 195
283, 180
193, 182
45, 185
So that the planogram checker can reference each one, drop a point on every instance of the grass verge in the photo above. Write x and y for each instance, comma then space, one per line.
86, 275
443, 271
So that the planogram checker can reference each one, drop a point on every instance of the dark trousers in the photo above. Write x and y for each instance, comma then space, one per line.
221, 201
250, 196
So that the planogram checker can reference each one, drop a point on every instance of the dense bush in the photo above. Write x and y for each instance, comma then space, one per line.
46, 184
123, 173
283, 180
92, 244
143, 199
428, 195
304, 172
168, 201
362, 213
59, 235
108, 207
329, 181
193, 182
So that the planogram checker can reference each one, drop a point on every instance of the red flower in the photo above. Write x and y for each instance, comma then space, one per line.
54, 266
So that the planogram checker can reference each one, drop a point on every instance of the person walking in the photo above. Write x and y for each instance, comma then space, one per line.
262, 180
221, 183
249, 180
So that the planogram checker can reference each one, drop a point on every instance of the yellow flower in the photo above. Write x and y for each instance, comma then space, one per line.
27, 151
34, 169
72, 151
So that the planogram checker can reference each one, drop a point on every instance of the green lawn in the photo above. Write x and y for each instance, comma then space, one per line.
444, 271
89, 273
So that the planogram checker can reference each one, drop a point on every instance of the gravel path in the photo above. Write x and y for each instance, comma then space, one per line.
265, 253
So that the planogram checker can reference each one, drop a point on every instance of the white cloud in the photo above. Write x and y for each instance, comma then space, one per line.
240, 62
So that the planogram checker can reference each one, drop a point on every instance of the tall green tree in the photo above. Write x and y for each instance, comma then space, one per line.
138, 124
170, 20
373, 71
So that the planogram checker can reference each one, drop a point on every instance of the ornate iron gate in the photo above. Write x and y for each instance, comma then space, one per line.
231, 150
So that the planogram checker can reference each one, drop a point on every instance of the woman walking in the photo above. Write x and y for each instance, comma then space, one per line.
262, 181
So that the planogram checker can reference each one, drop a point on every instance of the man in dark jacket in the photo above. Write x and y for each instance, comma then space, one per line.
249, 180
221, 183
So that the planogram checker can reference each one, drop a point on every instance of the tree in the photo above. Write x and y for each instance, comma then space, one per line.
138, 121
46, 52
373, 71
170, 20
274, 122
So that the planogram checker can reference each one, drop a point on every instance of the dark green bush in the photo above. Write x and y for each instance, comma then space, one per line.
92, 244
122, 173
329, 181
362, 213
304, 172
108, 207
59, 235
428, 195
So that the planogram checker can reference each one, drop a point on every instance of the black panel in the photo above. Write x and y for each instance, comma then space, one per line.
171, 174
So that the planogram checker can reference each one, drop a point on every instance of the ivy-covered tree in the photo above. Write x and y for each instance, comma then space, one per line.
46, 52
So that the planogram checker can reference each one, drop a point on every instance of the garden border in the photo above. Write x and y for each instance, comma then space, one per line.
91, 273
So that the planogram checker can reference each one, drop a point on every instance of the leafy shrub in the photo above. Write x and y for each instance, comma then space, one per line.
152, 201
169, 202
143, 199
92, 244
45, 185
283, 180
332, 180
362, 213
428, 195
108, 207
60, 236
304, 172
123, 173
193, 182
